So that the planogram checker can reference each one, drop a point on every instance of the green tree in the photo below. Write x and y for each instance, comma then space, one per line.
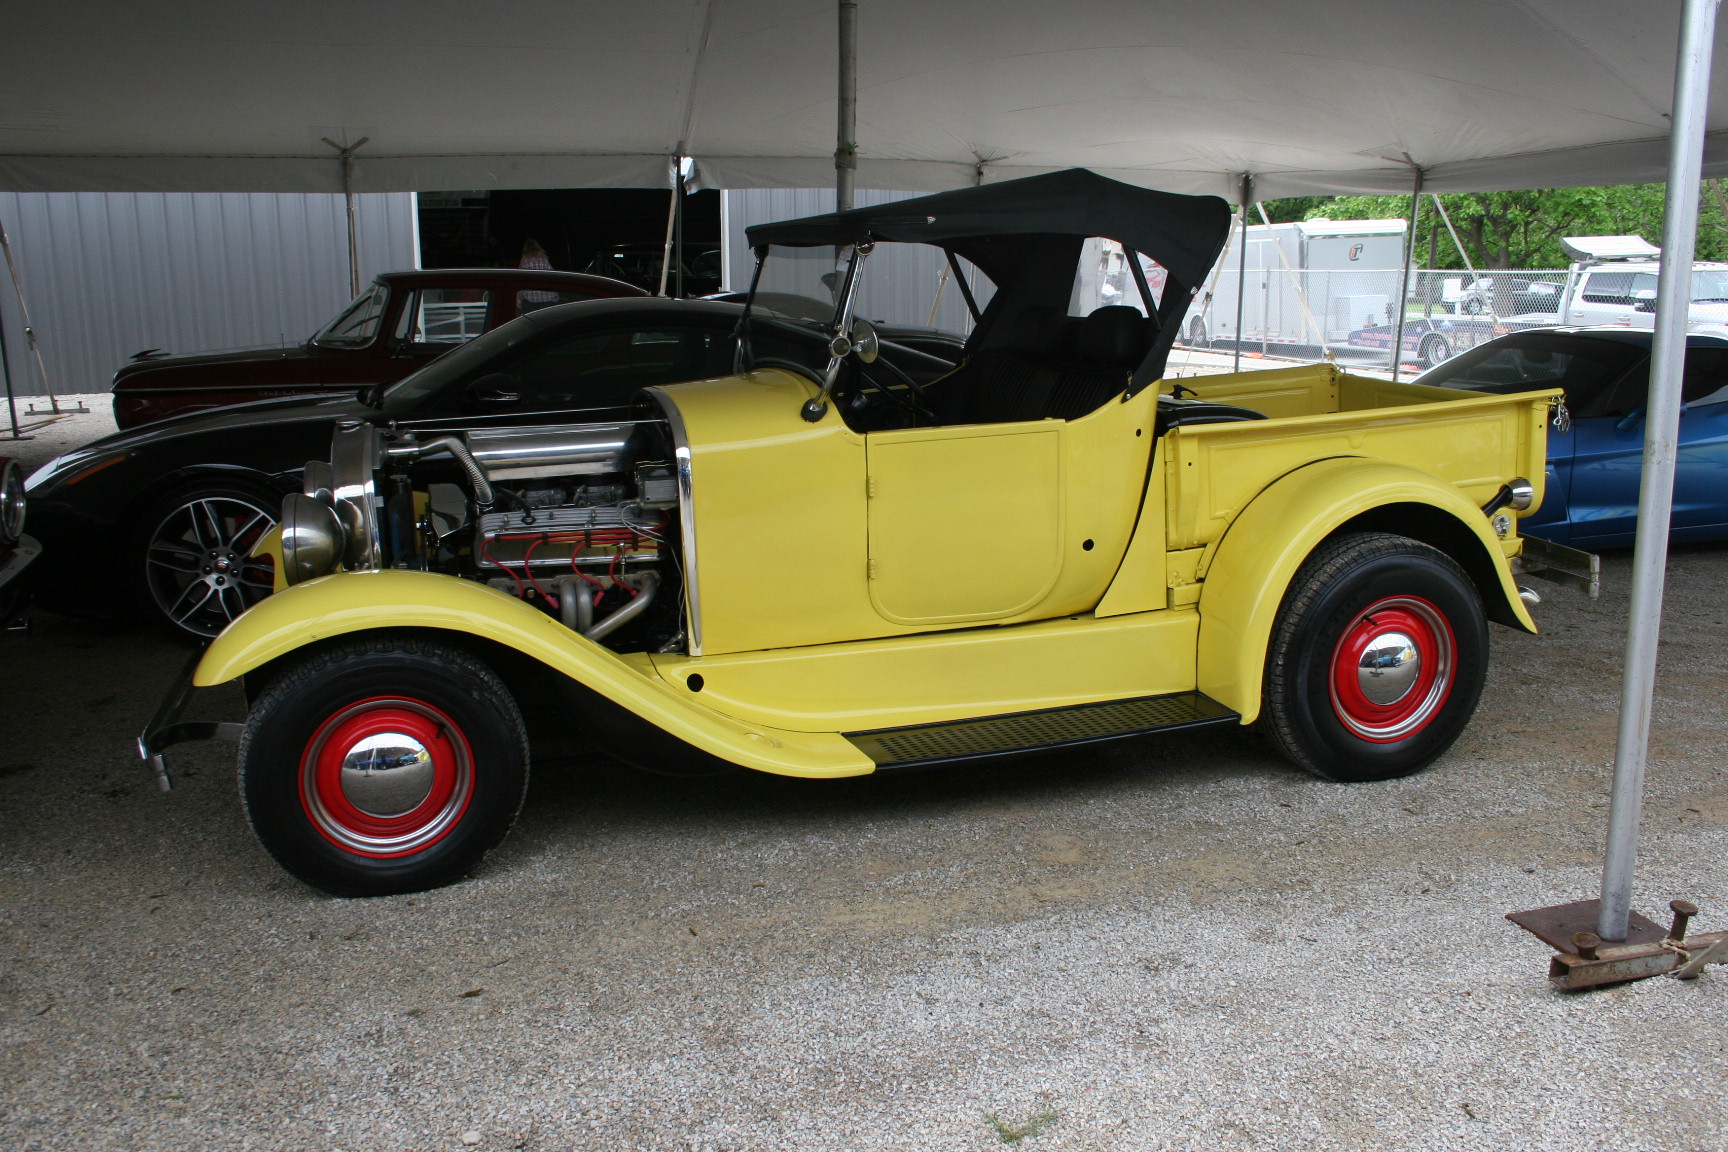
1520, 229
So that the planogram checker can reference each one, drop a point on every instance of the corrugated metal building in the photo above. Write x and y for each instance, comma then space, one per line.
106, 275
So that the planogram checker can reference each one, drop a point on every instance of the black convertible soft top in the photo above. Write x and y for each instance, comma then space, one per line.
1182, 233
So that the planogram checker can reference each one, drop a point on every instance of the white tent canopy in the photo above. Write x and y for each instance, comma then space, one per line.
1319, 97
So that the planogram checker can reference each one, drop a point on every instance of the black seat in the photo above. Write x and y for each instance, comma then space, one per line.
1034, 376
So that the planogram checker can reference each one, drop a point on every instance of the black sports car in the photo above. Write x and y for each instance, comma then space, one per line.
163, 519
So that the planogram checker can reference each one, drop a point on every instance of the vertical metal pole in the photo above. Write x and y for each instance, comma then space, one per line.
671, 227
1404, 280
347, 154
846, 147
1242, 268
6, 371
1661, 431
678, 233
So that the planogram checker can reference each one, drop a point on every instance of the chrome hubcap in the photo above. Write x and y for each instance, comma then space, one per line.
198, 564
1389, 668
387, 774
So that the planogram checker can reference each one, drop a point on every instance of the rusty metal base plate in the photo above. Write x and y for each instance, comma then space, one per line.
1556, 926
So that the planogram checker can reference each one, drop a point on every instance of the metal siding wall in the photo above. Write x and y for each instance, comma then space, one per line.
109, 274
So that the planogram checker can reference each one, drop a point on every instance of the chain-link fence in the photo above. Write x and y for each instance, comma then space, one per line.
1352, 315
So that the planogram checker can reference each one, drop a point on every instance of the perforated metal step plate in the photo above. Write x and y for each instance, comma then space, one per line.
1021, 732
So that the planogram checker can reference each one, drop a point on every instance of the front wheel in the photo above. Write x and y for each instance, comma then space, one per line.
199, 572
383, 765
1377, 659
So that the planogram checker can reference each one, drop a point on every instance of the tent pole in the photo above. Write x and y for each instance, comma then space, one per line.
1661, 431
11, 400
1242, 268
1404, 279
671, 225
678, 232
846, 145
347, 154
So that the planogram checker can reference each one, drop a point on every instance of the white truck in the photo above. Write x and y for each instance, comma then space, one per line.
1612, 281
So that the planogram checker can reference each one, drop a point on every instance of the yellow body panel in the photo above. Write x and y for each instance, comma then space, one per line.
949, 675
1254, 562
783, 516
354, 602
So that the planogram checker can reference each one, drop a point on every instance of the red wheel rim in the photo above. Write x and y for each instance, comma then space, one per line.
1393, 669
386, 777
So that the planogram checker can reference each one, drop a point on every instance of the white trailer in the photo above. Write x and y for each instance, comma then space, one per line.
1309, 283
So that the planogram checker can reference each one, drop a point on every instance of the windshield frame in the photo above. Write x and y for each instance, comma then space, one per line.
323, 338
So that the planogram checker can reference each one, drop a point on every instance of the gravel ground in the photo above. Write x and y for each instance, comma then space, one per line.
1174, 943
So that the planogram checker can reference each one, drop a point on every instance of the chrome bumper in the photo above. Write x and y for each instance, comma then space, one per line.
166, 729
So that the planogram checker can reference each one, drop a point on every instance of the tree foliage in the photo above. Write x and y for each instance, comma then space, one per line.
1519, 229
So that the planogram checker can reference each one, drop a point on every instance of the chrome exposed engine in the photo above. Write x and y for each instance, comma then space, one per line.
578, 520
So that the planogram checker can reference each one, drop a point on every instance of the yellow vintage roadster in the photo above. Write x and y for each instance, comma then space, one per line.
817, 568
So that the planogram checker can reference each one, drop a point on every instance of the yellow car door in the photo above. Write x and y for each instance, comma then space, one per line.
965, 522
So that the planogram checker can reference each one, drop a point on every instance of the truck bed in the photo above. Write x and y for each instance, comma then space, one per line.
1474, 440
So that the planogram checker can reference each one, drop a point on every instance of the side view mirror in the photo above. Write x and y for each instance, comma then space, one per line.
493, 390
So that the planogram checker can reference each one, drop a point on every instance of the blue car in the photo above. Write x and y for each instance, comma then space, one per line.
1595, 466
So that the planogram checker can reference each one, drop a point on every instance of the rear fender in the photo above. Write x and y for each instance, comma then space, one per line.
355, 602
1245, 580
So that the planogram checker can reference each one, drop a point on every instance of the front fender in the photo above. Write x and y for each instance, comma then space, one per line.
354, 602
1258, 556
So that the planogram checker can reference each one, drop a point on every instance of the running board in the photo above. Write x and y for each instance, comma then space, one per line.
1021, 732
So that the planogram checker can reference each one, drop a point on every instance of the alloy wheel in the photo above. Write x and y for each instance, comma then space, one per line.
198, 564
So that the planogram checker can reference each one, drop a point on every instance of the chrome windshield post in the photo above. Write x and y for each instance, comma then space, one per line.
840, 345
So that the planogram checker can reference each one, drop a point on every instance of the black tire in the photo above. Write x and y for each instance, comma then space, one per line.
1472, 306
191, 555
1325, 706
1434, 350
459, 777
1197, 333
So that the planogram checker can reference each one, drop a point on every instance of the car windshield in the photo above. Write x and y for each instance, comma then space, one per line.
1709, 285
411, 391
1527, 361
901, 286
358, 324
802, 284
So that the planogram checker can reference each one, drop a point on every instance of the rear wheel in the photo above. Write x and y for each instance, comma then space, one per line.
1377, 659
1197, 333
1434, 350
383, 765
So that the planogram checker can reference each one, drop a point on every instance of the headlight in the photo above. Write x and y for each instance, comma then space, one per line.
11, 501
312, 538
